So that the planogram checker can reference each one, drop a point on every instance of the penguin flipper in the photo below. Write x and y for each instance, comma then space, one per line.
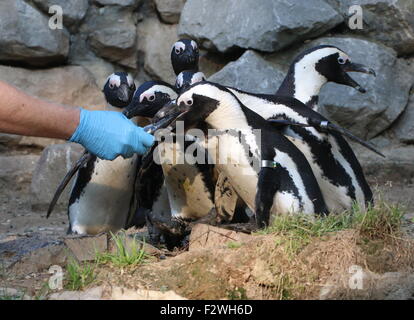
86, 156
267, 186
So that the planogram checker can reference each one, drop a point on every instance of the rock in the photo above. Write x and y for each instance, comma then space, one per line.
89, 294
170, 10
397, 166
112, 33
387, 93
9, 139
73, 11
84, 248
41, 259
81, 54
71, 85
13, 294
269, 27
155, 40
205, 236
55, 162
17, 168
389, 22
251, 73
119, 293
25, 36
122, 3
404, 126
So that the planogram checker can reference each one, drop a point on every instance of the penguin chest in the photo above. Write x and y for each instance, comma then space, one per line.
187, 191
235, 164
105, 200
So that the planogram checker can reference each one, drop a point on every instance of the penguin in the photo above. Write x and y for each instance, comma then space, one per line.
184, 56
313, 68
267, 170
102, 194
334, 164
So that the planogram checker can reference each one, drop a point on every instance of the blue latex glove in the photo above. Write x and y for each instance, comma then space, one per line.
108, 134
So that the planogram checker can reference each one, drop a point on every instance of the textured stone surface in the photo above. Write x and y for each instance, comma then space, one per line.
270, 26
73, 11
123, 3
155, 41
89, 294
112, 33
390, 22
404, 127
251, 73
25, 35
17, 168
55, 162
71, 85
85, 248
170, 10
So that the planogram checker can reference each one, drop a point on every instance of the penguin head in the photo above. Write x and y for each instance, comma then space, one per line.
329, 64
184, 55
149, 98
200, 101
187, 78
119, 89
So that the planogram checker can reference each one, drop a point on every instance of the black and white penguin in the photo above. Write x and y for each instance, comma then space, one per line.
184, 56
334, 164
313, 68
267, 171
103, 191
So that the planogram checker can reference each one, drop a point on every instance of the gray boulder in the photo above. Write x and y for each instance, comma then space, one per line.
73, 11
404, 127
390, 22
122, 3
55, 162
369, 114
170, 10
25, 35
268, 26
112, 33
250, 73
154, 41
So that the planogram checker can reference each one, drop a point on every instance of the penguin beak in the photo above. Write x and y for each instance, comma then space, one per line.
355, 67
123, 93
165, 111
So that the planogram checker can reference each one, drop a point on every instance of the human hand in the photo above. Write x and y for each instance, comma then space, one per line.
108, 134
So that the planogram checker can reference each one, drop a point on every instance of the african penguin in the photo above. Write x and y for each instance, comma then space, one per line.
314, 67
102, 193
184, 56
268, 172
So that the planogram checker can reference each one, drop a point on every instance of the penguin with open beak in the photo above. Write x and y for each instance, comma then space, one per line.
315, 67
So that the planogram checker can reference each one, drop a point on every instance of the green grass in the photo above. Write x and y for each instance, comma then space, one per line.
233, 245
78, 275
375, 222
125, 255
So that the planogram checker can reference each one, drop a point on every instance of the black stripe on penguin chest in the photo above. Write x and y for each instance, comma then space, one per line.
323, 156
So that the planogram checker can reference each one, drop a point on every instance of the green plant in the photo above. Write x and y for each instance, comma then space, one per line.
233, 245
78, 275
126, 253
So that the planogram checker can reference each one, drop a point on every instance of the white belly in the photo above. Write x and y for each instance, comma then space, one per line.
104, 204
187, 194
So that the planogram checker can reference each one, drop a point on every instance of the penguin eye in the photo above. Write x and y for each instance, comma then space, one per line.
151, 98
189, 102
341, 60
111, 85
